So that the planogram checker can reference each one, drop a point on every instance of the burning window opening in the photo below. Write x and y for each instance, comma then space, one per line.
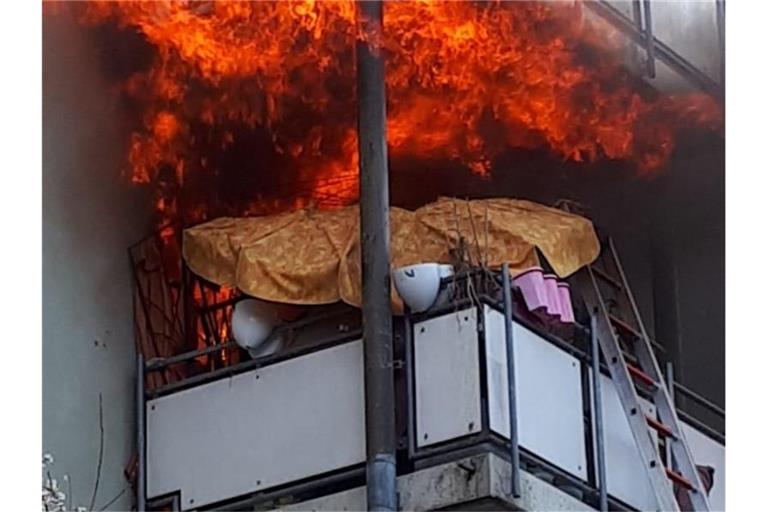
248, 108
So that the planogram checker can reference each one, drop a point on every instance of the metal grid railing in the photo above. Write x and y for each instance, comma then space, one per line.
176, 311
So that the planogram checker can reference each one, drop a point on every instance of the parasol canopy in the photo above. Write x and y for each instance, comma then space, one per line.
313, 256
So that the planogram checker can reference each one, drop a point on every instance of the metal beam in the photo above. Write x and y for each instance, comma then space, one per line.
374, 235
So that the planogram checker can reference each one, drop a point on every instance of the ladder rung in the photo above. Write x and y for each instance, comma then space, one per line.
680, 479
607, 278
628, 328
624, 325
640, 375
660, 427
630, 358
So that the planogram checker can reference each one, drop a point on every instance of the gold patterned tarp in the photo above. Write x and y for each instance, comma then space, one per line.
313, 257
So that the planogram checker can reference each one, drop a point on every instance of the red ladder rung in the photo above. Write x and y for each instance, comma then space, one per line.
679, 479
625, 326
660, 427
640, 375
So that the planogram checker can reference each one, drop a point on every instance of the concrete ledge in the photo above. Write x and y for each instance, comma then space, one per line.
479, 482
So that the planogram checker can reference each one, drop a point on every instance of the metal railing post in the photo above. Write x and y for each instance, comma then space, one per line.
670, 376
650, 43
602, 485
720, 19
409, 381
141, 492
512, 394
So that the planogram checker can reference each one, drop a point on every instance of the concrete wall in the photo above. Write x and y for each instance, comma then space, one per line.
90, 216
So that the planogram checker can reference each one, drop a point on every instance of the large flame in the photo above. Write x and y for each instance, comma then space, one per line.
465, 81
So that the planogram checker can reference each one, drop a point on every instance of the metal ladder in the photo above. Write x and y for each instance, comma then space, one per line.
608, 297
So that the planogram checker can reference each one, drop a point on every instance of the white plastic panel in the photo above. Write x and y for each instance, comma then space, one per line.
625, 473
258, 429
708, 452
447, 377
549, 395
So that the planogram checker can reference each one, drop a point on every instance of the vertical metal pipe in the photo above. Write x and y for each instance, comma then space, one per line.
511, 392
650, 43
141, 493
188, 308
637, 14
409, 381
598, 414
637, 20
665, 238
374, 234
720, 19
670, 375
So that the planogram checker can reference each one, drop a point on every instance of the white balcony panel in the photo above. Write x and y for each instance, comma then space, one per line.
447, 377
549, 395
625, 472
258, 429
708, 452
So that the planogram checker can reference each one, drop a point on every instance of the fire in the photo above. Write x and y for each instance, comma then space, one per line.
465, 82
212, 324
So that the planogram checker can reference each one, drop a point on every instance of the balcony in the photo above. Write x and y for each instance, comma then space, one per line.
287, 431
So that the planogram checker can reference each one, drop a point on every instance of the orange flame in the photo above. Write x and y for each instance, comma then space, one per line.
465, 82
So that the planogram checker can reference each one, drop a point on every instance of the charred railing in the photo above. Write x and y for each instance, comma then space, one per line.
176, 311
639, 30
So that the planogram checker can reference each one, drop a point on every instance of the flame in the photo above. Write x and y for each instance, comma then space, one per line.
213, 315
465, 82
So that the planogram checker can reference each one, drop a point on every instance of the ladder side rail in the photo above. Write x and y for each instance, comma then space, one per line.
635, 310
681, 454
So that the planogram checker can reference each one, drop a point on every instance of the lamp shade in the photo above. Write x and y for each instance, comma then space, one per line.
252, 322
418, 285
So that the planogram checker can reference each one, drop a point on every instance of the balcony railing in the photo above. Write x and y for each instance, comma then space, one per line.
293, 421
